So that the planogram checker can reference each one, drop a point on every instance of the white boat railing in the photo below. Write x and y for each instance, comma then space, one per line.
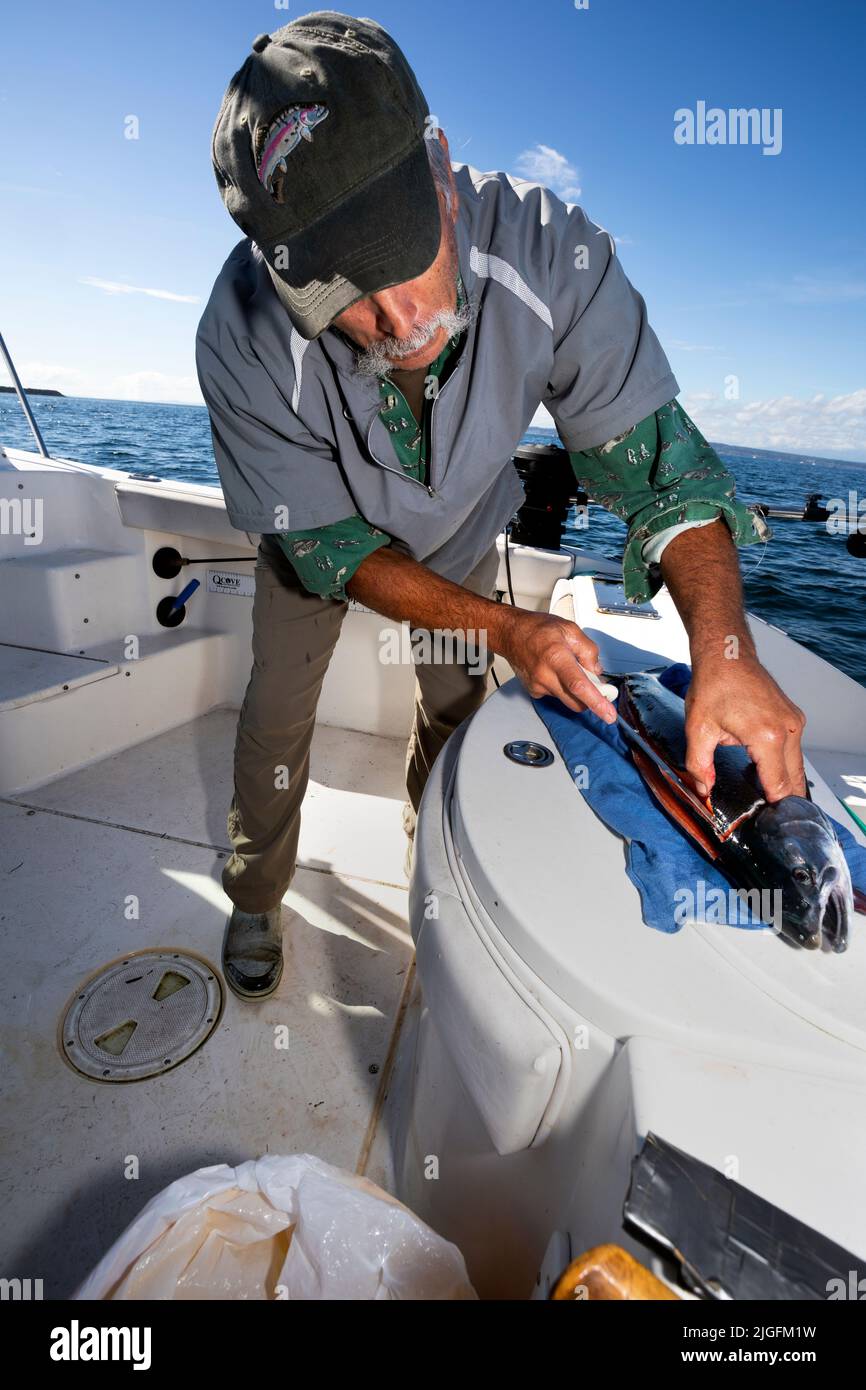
22, 397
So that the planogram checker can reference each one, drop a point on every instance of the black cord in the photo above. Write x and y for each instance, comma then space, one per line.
217, 559
499, 599
508, 568
496, 681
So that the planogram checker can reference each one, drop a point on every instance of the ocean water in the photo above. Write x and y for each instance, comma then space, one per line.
804, 581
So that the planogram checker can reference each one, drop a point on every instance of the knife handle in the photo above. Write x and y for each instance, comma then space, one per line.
604, 688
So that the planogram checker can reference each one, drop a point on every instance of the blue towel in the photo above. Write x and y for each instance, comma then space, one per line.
660, 860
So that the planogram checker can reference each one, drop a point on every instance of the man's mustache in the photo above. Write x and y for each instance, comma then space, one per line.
379, 358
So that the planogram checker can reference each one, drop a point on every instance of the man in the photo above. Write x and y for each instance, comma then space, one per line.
371, 354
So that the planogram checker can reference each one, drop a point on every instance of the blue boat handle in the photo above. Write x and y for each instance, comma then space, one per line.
185, 594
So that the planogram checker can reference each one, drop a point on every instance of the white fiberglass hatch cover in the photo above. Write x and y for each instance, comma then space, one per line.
551, 877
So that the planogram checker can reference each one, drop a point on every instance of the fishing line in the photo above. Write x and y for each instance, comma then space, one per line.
765, 545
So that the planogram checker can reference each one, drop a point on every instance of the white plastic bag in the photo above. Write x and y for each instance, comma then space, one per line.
278, 1228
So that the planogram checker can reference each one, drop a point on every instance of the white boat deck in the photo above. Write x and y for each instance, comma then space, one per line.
150, 822
107, 803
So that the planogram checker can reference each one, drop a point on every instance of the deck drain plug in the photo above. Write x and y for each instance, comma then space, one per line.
141, 1016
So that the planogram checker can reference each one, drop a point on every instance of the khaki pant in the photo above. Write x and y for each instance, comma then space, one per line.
294, 634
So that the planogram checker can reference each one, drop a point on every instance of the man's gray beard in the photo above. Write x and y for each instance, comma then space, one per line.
380, 359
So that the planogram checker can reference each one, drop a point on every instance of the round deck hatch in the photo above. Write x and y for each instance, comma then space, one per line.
141, 1016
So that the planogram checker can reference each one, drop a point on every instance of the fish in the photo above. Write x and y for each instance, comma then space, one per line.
787, 850
284, 132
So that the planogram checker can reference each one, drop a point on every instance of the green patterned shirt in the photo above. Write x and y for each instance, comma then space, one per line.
660, 473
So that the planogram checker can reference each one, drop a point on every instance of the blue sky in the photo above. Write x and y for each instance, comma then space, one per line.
752, 265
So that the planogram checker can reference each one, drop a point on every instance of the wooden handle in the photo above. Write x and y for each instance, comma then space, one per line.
609, 1272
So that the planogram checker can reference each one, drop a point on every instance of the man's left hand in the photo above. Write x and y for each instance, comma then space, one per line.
738, 702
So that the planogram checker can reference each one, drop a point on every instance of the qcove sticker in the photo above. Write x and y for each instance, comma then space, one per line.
230, 582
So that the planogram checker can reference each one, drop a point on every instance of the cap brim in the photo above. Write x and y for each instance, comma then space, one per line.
383, 235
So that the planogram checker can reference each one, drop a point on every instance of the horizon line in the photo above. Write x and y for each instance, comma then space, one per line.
540, 429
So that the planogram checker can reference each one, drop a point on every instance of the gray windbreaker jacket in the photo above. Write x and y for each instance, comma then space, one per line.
297, 435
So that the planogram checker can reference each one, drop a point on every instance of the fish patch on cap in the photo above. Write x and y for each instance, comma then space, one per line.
277, 141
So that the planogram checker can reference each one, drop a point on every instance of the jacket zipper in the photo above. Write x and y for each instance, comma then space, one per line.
400, 474
428, 488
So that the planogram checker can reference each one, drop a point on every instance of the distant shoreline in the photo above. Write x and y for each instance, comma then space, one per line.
32, 391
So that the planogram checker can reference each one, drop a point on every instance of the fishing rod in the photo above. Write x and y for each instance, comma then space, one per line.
814, 510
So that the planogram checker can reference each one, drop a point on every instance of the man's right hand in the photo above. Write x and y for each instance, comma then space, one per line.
547, 653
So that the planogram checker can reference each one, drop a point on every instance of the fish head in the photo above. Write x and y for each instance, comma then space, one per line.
797, 852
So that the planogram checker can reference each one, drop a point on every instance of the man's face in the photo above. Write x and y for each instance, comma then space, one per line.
390, 316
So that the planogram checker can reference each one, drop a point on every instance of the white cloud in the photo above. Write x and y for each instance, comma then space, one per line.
131, 386
70, 380
542, 164
808, 289
156, 386
691, 347
542, 419
832, 427
113, 287
24, 188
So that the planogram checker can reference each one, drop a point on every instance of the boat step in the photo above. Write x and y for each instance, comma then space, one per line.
28, 674
108, 703
71, 600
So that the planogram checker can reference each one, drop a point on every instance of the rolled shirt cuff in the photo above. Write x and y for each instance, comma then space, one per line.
642, 578
652, 549
325, 558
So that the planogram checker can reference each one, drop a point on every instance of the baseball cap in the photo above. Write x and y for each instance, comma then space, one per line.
320, 155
